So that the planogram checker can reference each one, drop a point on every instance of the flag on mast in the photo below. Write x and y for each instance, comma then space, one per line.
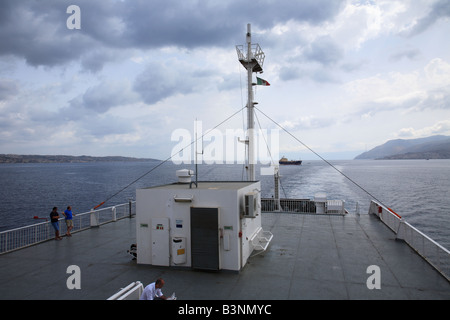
261, 82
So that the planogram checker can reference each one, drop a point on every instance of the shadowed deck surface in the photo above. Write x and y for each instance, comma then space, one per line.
310, 257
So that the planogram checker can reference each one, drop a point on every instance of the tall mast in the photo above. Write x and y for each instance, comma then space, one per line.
250, 121
252, 61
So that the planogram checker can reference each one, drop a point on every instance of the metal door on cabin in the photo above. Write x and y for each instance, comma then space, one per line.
205, 238
160, 242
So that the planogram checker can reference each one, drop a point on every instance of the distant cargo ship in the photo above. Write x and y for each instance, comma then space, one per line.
286, 161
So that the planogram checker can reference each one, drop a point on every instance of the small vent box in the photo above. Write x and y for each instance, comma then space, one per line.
250, 205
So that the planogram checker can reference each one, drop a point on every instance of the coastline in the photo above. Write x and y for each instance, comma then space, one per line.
16, 158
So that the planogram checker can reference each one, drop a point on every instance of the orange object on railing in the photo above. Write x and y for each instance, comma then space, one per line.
398, 216
99, 205
36, 217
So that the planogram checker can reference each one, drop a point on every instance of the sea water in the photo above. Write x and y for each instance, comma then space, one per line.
418, 190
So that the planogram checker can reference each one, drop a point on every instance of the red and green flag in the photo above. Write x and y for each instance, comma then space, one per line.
261, 82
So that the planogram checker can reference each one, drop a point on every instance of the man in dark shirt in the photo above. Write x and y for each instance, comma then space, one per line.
54, 216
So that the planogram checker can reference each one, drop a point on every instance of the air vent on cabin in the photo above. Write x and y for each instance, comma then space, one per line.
250, 205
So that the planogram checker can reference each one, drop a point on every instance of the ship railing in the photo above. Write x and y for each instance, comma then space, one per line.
434, 253
240, 52
288, 205
297, 206
18, 238
131, 292
257, 53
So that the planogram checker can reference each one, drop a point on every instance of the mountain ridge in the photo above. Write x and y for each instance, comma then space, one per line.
433, 147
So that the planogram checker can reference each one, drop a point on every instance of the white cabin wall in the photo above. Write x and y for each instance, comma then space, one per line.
160, 203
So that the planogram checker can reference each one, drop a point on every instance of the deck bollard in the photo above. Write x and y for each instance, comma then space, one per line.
94, 219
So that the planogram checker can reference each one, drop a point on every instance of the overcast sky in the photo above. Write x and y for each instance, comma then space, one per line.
345, 76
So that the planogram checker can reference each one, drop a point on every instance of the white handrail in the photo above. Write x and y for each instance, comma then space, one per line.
434, 253
132, 291
26, 236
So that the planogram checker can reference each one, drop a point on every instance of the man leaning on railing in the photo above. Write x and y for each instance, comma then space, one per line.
54, 216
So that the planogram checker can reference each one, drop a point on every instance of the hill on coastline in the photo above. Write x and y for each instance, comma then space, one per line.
16, 158
434, 147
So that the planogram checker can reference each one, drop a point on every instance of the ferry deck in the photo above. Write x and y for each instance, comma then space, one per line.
311, 257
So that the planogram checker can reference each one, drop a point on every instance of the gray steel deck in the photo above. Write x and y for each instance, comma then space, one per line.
310, 257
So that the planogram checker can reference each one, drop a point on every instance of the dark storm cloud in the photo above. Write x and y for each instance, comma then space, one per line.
99, 99
324, 51
156, 84
36, 30
8, 89
325, 55
31, 29
159, 81
407, 53
440, 9
205, 23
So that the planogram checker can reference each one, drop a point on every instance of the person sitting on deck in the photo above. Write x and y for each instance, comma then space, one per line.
153, 291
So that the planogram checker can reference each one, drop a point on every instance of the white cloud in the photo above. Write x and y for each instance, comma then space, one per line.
438, 72
416, 90
439, 128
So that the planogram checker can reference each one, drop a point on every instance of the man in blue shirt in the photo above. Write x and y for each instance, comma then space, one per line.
69, 222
